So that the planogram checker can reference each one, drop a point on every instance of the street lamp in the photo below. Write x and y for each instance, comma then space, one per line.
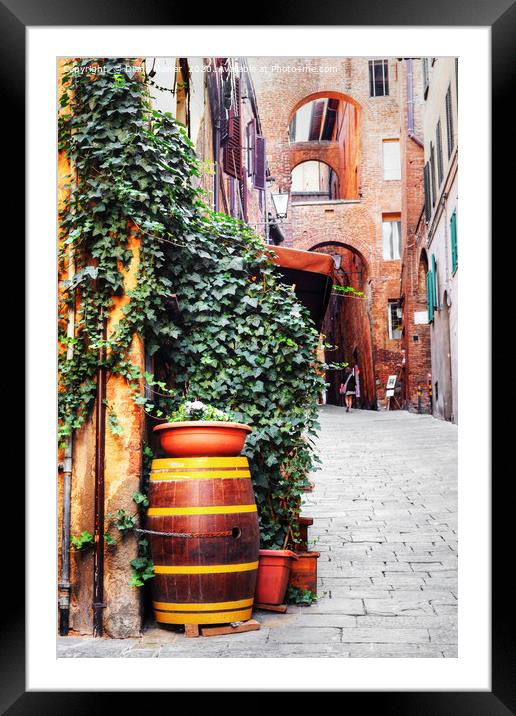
280, 202
337, 259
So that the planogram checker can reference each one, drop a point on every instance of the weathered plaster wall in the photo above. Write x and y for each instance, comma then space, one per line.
122, 616
443, 76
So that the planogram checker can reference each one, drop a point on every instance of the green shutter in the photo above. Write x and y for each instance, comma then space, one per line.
435, 297
453, 236
430, 296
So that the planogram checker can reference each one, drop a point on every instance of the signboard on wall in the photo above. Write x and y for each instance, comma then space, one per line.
420, 318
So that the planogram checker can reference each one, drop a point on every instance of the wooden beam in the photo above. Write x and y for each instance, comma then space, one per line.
249, 625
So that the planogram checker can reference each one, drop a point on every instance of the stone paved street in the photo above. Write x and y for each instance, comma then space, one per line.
385, 523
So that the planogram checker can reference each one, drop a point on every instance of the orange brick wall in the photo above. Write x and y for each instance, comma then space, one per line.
416, 337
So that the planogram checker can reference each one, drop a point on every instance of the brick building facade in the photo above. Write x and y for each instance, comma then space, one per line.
414, 262
356, 126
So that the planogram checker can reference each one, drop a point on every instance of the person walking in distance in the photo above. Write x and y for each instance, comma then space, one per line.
342, 391
350, 385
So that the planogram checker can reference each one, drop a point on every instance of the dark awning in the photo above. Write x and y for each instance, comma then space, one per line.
312, 276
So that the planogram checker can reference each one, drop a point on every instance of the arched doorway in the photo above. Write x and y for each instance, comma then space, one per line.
419, 353
347, 326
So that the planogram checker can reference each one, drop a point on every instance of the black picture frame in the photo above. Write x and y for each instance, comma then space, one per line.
500, 16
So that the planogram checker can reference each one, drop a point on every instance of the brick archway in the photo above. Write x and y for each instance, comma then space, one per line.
298, 102
347, 324
342, 151
298, 158
418, 365
311, 156
355, 249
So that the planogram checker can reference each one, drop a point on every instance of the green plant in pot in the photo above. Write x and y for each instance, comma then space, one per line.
197, 429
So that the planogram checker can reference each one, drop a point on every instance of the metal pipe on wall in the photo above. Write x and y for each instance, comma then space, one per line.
64, 585
216, 153
100, 445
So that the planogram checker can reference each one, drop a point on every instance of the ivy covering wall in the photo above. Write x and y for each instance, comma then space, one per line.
207, 301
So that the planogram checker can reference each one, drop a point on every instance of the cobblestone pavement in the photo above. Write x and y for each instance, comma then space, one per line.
385, 523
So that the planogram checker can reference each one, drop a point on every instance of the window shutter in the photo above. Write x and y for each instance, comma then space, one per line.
250, 139
453, 235
432, 173
232, 156
215, 85
259, 163
439, 145
435, 297
449, 122
429, 297
223, 83
428, 210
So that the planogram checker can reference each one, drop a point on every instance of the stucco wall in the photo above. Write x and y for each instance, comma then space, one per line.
444, 328
122, 615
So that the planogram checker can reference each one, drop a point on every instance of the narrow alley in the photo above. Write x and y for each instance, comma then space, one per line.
385, 524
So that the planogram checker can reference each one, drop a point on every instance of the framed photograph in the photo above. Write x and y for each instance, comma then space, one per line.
303, 207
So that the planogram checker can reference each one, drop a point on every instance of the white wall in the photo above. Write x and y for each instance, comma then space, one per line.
443, 335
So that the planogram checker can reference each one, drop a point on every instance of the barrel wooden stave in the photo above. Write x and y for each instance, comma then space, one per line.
224, 590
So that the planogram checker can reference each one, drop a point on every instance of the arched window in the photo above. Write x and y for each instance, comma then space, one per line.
313, 181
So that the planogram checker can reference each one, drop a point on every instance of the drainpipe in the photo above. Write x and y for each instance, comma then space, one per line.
266, 215
216, 152
410, 104
100, 445
64, 580
215, 101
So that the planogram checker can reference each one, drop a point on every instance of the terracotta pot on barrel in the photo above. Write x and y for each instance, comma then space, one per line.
202, 438
206, 572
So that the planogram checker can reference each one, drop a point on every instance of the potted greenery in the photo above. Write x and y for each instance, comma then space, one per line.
197, 429
303, 574
279, 553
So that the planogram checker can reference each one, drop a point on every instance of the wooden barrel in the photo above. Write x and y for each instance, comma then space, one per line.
208, 574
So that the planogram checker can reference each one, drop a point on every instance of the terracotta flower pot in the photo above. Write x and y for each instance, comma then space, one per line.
202, 438
303, 574
273, 575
